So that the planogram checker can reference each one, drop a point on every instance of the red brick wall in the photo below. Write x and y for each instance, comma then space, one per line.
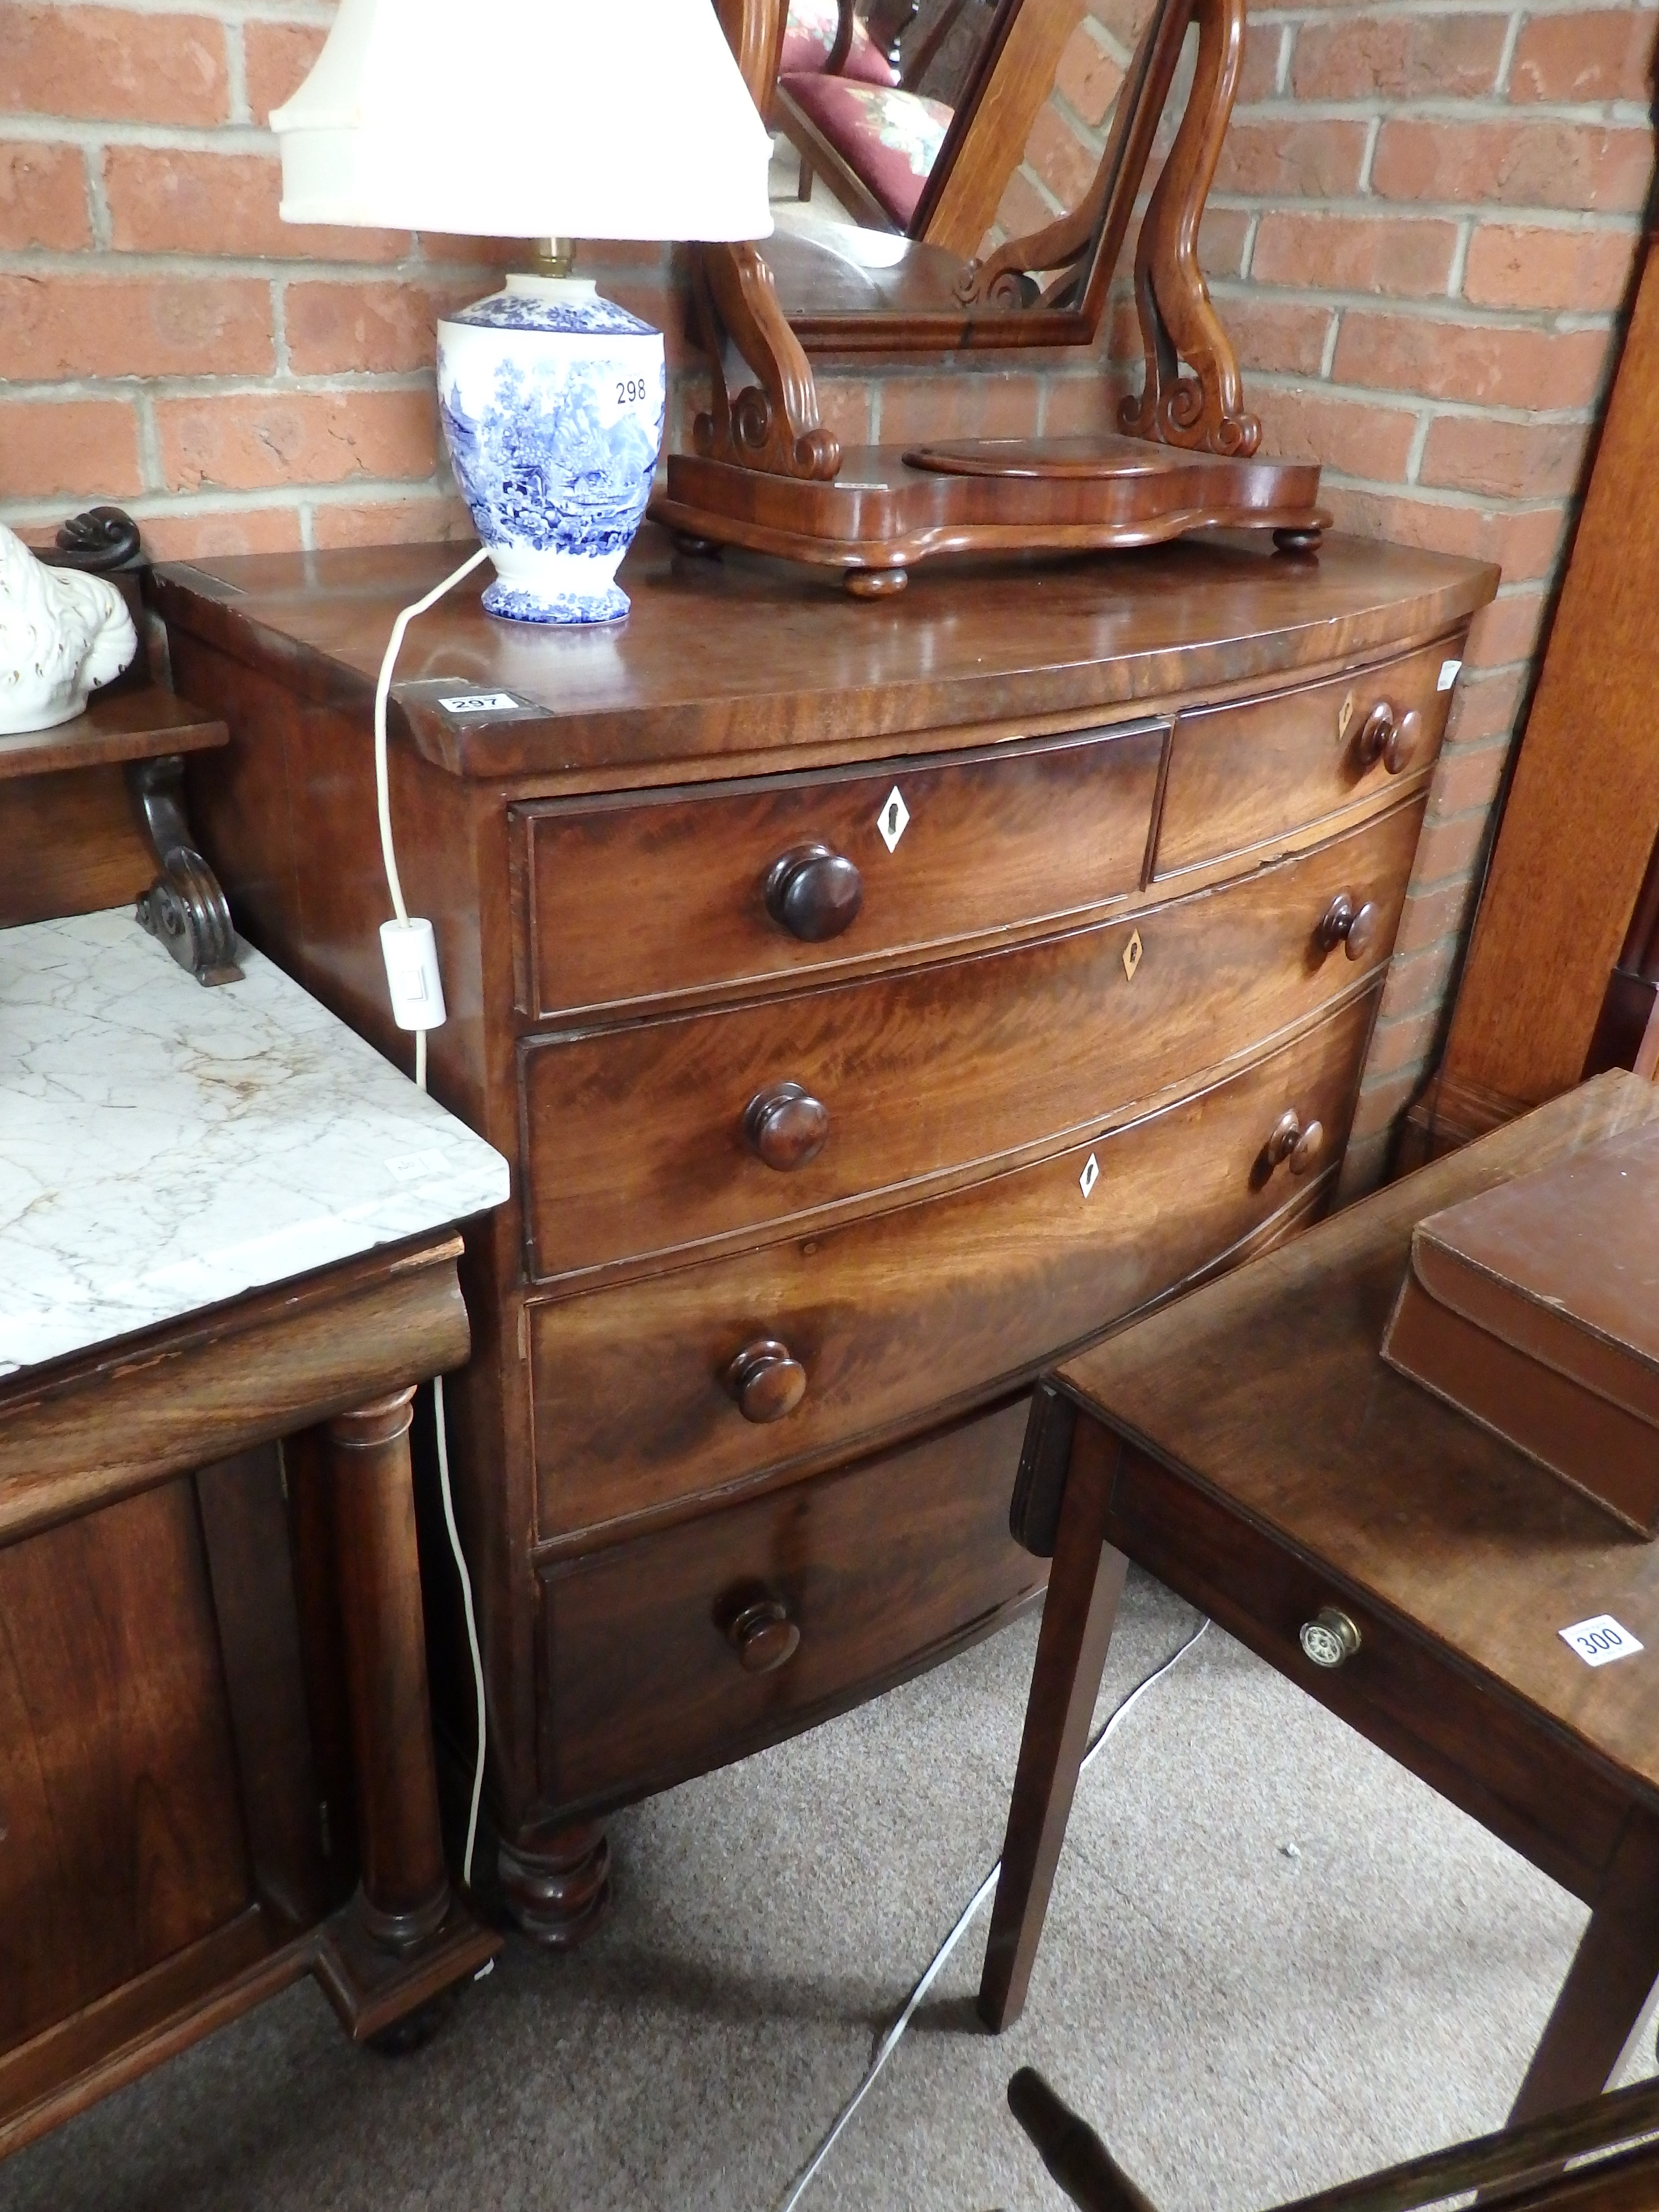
1421, 237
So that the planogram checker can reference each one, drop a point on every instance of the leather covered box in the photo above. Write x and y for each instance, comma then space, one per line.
1533, 1307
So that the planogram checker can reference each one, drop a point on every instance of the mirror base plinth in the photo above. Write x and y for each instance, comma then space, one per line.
892, 506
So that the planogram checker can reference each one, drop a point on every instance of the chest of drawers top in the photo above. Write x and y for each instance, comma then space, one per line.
742, 666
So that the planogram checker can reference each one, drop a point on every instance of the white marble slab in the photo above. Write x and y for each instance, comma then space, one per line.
164, 1147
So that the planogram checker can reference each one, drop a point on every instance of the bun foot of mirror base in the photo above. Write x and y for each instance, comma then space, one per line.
875, 583
1297, 541
699, 549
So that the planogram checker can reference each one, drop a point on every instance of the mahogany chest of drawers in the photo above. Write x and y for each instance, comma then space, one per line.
875, 998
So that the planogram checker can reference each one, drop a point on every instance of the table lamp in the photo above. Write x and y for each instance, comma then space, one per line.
549, 120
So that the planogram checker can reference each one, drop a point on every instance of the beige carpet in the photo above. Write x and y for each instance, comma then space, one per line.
1273, 1961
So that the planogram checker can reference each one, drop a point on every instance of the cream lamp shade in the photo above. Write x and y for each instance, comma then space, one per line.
528, 119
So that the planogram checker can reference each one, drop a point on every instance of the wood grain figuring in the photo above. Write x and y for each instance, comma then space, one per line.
245, 1529
135, 726
1402, 1566
68, 2066
742, 656
879, 1568
913, 1309
123, 1837
108, 1424
74, 845
672, 895
1579, 821
1305, 754
1484, 1554
852, 1154
636, 1139
892, 507
1394, 1691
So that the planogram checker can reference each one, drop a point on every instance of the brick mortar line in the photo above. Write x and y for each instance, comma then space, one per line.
1431, 307
1392, 10
1507, 214
348, 383
162, 505
98, 264
236, 76
1445, 108
1287, 381
1506, 56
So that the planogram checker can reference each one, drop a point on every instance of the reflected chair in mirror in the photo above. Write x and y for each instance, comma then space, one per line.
1611, 2142
767, 473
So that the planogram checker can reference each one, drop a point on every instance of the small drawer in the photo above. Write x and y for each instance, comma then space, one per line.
1397, 1688
674, 1652
722, 1373
657, 1134
1243, 774
655, 897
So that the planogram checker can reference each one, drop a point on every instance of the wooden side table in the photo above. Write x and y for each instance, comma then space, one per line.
223, 1222
1249, 1446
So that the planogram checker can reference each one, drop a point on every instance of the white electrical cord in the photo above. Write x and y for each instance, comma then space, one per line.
889, 2042
383, 802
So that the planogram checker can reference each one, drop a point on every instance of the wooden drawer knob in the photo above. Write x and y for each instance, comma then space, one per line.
1346, 923
786, 1126
766, 1381
813, 893
764, 1636
1291, 1141
1393, 740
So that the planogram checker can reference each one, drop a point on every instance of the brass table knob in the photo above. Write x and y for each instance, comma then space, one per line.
1330, 1639
1352, 927
786, 1126
764, 1636
813, 893
1293, 1142
767, 1381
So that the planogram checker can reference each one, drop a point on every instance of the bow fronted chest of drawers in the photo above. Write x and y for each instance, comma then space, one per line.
871, 998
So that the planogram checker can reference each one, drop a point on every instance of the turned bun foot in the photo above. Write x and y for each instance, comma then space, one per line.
875, 583
1301, 540
556, 1882
699, 549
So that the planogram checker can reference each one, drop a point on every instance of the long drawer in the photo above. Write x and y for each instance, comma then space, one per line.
1482, 1751
680, 1384
672, 1652
1243, 774
661, 1133
652, 898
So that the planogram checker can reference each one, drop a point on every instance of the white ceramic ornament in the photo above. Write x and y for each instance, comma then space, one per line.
62, 634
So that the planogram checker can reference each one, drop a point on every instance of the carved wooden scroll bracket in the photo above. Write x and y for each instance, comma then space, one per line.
773, 424
1203, 411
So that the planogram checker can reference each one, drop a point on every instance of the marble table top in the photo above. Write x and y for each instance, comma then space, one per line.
165, 1147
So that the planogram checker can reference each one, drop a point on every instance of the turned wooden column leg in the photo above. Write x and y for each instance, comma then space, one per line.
405, 1884
557, 1880
388, 1958
1077, 1618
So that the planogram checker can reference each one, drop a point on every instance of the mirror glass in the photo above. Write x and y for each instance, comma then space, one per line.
912, 137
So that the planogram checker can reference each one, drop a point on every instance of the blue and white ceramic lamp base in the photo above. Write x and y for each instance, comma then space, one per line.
552, 402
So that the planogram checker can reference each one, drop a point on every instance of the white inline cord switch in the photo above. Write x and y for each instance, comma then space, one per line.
410, 952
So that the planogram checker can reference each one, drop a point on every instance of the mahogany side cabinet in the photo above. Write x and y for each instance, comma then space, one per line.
872, 998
